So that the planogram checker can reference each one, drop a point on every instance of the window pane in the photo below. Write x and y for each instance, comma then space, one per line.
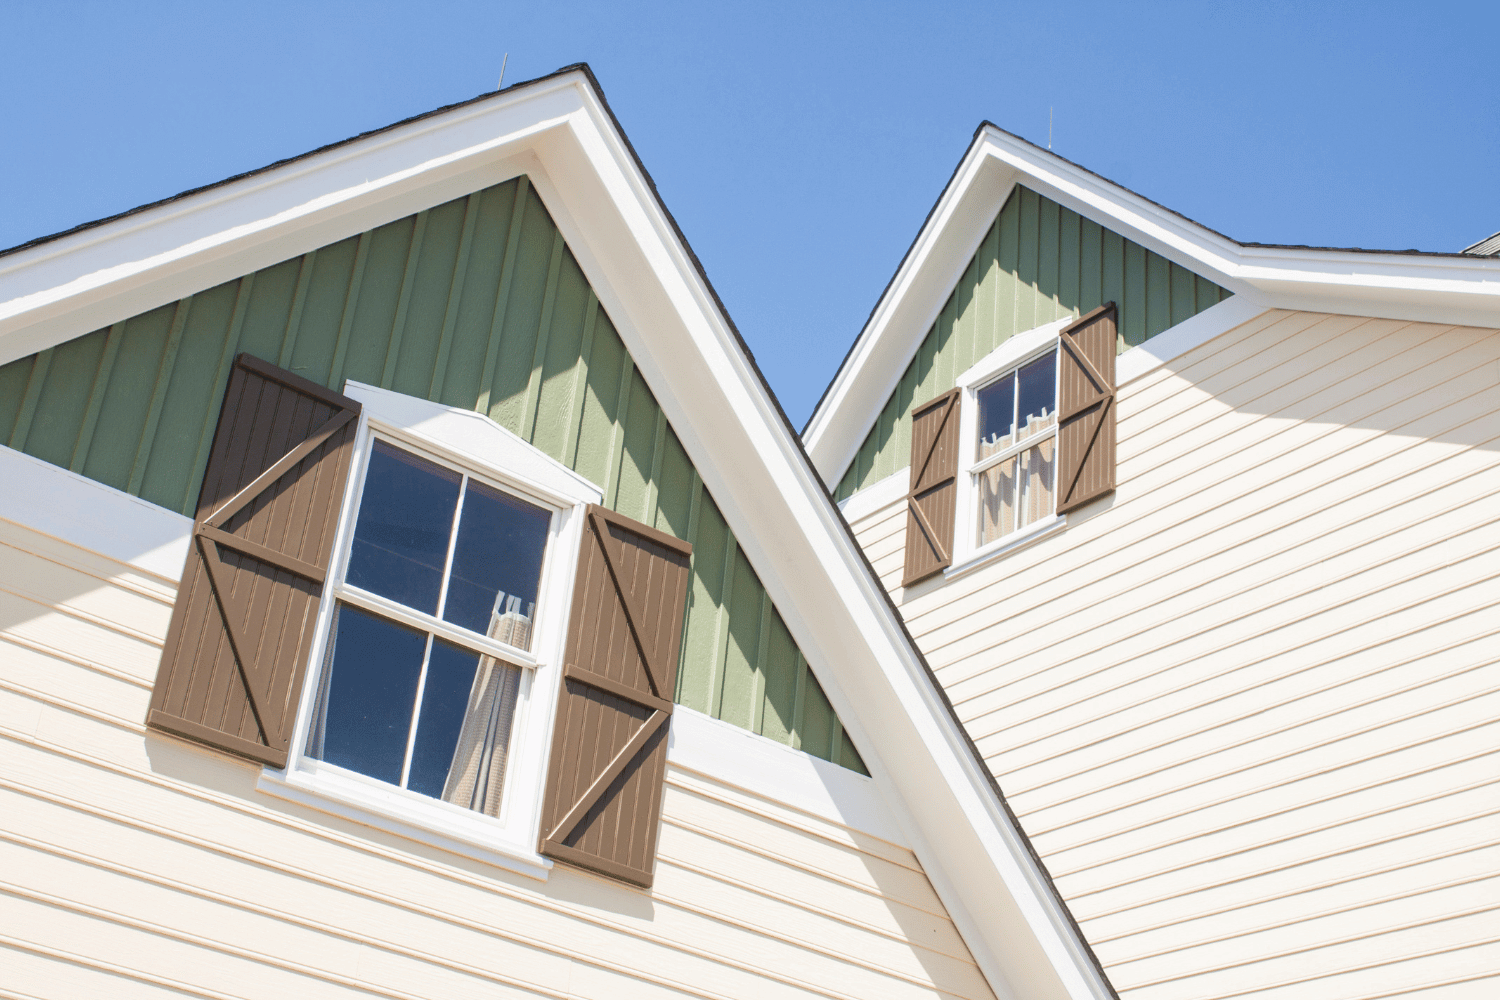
1038, 388
497, 565
369, 685
405, 519
997, 413
1036, 480
450, 677
997, 500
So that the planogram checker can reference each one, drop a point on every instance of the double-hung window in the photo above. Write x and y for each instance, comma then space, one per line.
1008, 445
429, 699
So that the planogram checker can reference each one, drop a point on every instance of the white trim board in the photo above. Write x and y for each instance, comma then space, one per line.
1448, 289
90, 515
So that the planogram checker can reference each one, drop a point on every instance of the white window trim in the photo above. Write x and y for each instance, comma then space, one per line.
968, 555
477, 444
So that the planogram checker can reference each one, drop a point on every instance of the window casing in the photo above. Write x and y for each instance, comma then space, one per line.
1008, 440
428, 702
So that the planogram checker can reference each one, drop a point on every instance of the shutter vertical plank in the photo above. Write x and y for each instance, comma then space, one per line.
1086, 409
604, 785
932, 499
242, 628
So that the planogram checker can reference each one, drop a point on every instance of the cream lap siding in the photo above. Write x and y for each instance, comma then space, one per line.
1248, 708
133, 864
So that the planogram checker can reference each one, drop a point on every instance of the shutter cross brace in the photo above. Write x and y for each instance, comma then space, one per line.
209, 535
927, 530
614, 554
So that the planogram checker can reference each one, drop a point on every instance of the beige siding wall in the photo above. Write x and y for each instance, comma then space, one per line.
133, 865
1248, 708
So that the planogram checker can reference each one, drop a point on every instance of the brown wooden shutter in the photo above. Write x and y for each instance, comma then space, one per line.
932, 499
609, 745
1086, 410
237, 648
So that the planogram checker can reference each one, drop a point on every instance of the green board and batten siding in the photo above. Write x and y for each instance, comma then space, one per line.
1037, 263
476, 303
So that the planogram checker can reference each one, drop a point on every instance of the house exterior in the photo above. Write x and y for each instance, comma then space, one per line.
410, 588
1199, 538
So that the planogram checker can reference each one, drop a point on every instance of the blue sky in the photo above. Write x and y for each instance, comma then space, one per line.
800, 145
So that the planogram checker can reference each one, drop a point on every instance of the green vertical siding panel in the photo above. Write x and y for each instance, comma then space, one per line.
379, 296
636, 456
1090, 266
1069, 254
1038, 262
477, 303
13, 378
741, 687
465, 374
1049, 263
1158, 294
62, 398
780, 663
523, 314
700, 640
815, 729
674, 488
189, 398
323, 312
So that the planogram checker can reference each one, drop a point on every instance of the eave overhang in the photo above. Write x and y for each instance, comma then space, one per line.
1443, 288
560, 132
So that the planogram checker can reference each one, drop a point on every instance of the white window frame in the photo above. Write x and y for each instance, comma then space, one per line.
1016, 352
472, 443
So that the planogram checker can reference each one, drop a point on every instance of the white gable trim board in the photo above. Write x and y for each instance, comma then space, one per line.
558, 131
1430, 287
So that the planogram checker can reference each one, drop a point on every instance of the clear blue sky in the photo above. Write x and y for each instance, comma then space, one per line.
799, 145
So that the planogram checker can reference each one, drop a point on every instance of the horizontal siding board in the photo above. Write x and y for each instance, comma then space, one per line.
478, 303
1246, 714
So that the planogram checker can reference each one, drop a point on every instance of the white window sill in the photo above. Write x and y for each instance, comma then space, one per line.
1006, 545
434, 823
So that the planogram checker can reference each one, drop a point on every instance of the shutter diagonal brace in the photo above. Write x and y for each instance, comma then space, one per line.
1083, 456
613, 552
237, 646
927, 529
283, 465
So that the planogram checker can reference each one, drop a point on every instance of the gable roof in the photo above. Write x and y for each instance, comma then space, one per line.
1457, 288
559, 131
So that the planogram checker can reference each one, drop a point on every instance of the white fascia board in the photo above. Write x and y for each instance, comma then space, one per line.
1455, 290
936, 787
1013, 921
77, 283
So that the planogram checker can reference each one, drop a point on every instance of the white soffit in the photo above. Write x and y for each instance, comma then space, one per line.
1454, 289
558, 131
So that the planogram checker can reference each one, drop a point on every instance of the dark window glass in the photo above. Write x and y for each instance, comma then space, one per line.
1038, 390
366, 713
445, 699
997, 413
405, 519
497, 565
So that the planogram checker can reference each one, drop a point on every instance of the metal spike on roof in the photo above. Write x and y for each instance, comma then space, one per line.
1488, 247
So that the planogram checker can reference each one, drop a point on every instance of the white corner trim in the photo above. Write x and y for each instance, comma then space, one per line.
877, 496
737, 757
1006, 545
82, 512
476, 440
1195, 331
421, 822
